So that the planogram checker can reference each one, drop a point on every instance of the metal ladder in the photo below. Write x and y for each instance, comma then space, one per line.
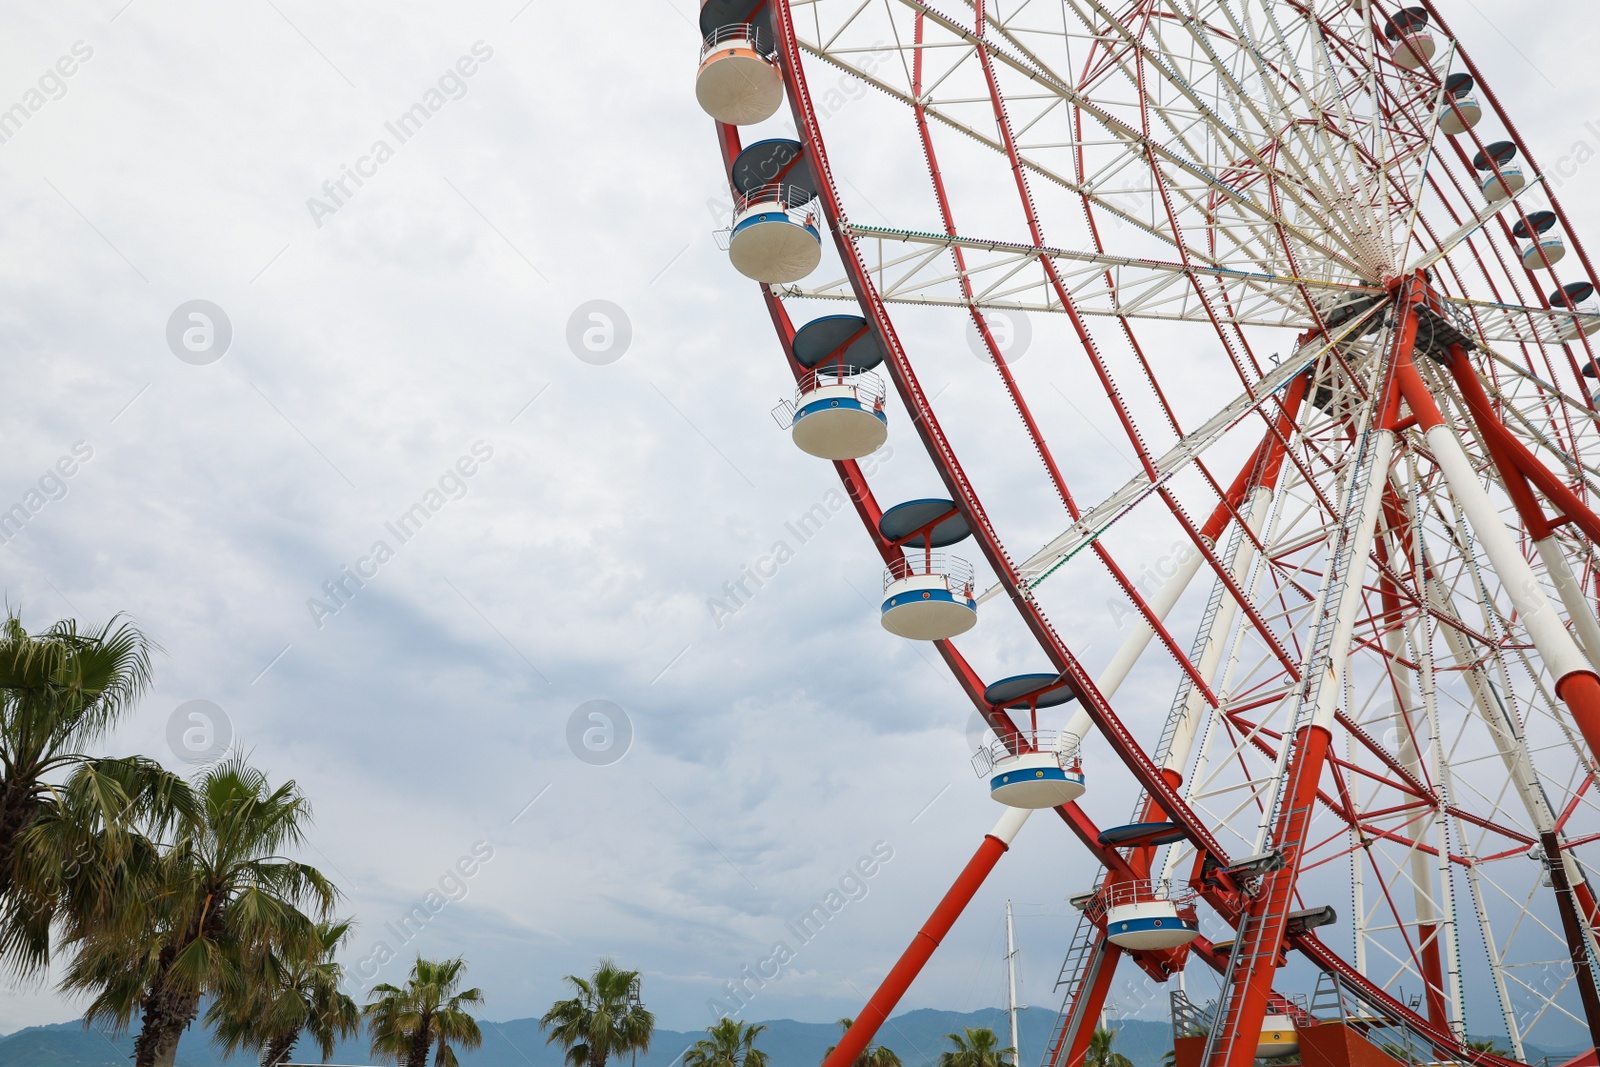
1074, 968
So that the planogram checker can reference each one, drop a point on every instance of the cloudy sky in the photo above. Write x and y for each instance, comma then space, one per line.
380, 343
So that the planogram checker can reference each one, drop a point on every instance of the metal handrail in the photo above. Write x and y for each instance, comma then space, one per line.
866, 384
956, 572
1142, 892
739, 31
867, 388
792, 197
1063, 745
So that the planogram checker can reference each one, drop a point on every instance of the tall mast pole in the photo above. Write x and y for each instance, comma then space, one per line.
1011, 982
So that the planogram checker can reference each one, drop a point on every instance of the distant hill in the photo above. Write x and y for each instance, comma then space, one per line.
918, 1037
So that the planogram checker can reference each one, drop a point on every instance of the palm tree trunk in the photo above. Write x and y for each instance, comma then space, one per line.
419, 1046
278, 1050
166, 1015
15, 814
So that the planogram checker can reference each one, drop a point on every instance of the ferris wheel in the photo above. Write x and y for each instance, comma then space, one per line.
1302, 261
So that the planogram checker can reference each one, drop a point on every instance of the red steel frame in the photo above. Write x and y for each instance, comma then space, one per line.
1583, 695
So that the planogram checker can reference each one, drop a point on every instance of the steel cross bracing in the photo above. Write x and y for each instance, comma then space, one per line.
1282, 261
1257, 165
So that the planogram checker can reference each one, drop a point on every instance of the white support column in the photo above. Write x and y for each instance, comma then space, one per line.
1539, 617
1350, 598
1572, 598
1367, 499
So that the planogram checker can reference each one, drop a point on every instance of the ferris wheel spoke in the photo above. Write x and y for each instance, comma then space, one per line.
1137, 287
1096, 520
1234, 171
1137, 147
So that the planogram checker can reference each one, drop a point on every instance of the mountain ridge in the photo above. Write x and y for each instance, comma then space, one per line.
916, 1036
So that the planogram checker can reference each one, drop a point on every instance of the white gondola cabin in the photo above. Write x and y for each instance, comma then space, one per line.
1461, 108
738, 82
774, 236
1410, 40
1577, 297
1278, 1037
927, 595
836, 413
1502, 175
838, 409
1140, 917
1039, 768
1544, 248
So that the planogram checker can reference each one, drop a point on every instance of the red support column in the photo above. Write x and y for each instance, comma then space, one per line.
1091, 1000
860, 1035
1268, 917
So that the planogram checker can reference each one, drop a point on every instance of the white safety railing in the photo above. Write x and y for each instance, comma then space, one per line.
744, 32
956, 572
865, 387
798, 203
1063, 746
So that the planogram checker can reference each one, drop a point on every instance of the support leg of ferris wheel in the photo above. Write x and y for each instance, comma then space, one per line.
1576, 682
998, 840
1259, 943
1252, 494
1435, 898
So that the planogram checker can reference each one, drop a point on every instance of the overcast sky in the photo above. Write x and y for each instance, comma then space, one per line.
384, 340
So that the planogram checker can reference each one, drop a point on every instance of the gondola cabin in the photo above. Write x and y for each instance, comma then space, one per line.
1278, 1037
1044, 779
1461, 108
1545, 247
927, 595
1502, 175
738, 81
838, 408
1411, 41
774, 236
1151, 924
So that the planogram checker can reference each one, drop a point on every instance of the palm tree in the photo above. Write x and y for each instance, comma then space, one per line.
285, 995
605, 1019
978, 1047
1099, 1053
731, 1044
1487, 1044
60, 691
871, 1056
429, 1013
184, 921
